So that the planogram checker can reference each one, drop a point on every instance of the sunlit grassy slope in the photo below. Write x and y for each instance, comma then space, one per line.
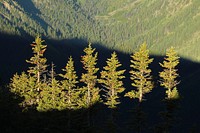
161, 23
119, 24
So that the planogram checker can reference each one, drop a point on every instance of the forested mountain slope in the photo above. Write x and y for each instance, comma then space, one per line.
119, 24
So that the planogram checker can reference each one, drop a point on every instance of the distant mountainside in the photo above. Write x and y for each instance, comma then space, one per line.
119, 24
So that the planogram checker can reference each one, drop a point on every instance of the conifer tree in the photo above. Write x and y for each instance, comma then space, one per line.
111, 80
90, 93
24, 86
38, 61
50, 94
29, 86
70, 92
169, 74
140, 75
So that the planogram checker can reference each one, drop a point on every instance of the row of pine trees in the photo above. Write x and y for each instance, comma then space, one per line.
47, 93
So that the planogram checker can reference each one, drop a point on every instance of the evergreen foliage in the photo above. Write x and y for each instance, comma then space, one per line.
24, 86
169, 74
50, 96
29, 86
111, 80
50, 93
66, 96
90, 93
141, 74
39, 66
38, 61
70, 91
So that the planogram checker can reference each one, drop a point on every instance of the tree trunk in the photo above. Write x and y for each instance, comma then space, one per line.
88, 95
140, 95
113, 94
38, 77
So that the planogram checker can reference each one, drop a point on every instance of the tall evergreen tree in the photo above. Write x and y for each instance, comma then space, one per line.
90, 93
38, 61
169, 74
70, 93
111, 80
140, 75
29, 86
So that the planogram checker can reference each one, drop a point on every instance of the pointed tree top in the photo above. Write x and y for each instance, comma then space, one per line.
89, 49
171, 52
114, 54
38, 39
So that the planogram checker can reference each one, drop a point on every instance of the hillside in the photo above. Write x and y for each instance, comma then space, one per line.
121, 25
160, 23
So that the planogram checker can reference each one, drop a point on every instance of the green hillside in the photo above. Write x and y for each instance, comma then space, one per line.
119, 24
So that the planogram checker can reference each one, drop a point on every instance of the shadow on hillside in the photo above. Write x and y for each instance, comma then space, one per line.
30, 8
15, 50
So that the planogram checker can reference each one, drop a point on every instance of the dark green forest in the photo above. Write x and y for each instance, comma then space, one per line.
121, 25
99, 66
